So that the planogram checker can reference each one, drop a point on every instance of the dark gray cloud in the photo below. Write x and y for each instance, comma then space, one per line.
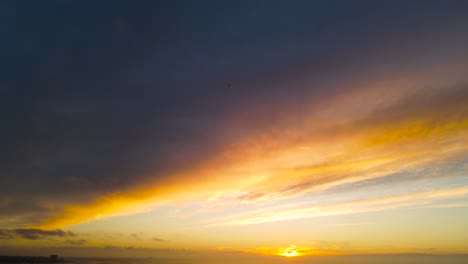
98, 97
33, 233
438, 102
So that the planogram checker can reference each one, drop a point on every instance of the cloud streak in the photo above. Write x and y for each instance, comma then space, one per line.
33, 233
275, 168
299, 211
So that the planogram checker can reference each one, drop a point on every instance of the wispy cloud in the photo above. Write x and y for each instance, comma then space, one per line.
376, 146
353, 224
157, 239
33, 233
303, 210
447, 205
76, 242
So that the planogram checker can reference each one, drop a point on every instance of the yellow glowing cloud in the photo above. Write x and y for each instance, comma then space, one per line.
296, 160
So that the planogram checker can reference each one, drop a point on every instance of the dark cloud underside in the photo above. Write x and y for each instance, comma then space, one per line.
96, 97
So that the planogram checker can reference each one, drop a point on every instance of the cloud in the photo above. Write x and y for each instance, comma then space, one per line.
33, 233
372, 168
83, 142
447, 205
135, 236
76, 242
352, 224
157, 239
101, 251
368, 150
304, 210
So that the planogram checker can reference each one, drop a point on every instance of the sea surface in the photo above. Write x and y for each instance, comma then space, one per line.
364, 259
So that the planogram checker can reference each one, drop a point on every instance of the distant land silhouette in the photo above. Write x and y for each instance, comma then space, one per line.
31, 259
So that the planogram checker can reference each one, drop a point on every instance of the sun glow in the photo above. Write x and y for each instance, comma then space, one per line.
288, 252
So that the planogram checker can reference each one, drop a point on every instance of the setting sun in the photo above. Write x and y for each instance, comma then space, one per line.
289, 251
290, 254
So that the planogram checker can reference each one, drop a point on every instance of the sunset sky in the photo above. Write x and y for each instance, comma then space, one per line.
291, 128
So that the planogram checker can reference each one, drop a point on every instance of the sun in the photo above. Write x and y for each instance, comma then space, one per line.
288, 252
291, 253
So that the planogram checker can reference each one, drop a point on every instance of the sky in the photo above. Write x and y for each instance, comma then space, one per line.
260, 128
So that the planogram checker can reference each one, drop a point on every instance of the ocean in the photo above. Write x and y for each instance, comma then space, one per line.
360, 259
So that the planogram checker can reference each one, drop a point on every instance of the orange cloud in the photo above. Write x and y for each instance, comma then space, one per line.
292, 161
